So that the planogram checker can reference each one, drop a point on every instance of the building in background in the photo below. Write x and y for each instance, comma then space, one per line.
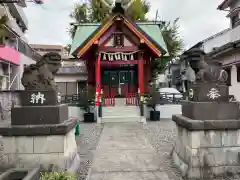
72, 76
15, 52
223, 46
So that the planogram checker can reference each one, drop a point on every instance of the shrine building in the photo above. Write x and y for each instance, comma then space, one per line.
118, 55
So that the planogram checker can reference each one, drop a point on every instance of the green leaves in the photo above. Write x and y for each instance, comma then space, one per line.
94, 11
171, 36
174, 43
57, 176
138, 10
3, 20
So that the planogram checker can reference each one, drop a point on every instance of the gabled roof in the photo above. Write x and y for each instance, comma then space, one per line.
87, 33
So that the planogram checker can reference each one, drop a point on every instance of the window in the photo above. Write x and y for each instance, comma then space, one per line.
228, 70
238, 73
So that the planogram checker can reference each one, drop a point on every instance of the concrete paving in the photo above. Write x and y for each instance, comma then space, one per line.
124, 152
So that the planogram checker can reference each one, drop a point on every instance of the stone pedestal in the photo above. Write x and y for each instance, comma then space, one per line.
205, 153
51, 146
208, 140
40, 133
33, 115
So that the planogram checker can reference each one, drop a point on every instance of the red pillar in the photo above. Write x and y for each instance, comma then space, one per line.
98, 79
140, 74
148, 68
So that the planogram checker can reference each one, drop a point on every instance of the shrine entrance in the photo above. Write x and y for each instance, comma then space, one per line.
119, 81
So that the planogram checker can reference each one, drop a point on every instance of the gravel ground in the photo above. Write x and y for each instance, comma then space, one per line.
87, 142
162, 135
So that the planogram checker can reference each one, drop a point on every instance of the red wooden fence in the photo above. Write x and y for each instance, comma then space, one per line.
109, 100
131, 99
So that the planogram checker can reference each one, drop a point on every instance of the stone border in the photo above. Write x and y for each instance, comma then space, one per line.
38, 130
190, 124
21, 173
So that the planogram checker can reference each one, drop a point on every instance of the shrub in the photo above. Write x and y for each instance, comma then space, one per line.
57, 176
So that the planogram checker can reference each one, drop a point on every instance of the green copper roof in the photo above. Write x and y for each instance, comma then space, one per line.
84, 31
153, 31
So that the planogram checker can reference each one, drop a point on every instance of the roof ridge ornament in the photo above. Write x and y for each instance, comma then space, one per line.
118, 6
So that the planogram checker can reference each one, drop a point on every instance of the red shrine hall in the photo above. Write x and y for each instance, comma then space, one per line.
118, 55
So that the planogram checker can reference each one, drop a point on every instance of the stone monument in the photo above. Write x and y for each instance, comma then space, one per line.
40, 131
208, 141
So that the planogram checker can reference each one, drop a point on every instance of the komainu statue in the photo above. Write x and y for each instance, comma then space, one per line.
210, 71
40, 76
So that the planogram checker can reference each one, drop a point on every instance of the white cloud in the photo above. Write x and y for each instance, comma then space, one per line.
199, 19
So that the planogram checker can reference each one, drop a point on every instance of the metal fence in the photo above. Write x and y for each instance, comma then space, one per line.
167, 98
80, 99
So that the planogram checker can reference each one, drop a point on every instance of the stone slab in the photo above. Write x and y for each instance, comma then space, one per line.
123, 138
202, 92
210, 110
125, 160
50, 98
190, 124
38, 130
131, 141
37, 115
126, 176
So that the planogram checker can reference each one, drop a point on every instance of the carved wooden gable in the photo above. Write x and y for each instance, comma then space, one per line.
114, 41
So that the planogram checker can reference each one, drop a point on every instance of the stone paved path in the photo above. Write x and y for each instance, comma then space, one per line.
124, 152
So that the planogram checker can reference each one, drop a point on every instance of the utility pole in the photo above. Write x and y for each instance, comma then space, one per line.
156, 17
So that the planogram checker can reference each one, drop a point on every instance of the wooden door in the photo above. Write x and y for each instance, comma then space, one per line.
123, 82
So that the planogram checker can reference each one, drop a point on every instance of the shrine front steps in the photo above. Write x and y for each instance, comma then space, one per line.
121, 114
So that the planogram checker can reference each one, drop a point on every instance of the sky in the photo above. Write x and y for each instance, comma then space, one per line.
199, 19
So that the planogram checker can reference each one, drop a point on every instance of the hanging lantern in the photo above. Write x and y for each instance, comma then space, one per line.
38, 1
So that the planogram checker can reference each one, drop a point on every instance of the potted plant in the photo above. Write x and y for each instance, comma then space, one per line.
88, 115
153, 100
154, 114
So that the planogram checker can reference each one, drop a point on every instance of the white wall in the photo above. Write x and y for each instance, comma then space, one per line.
70, 78
232, 58
217, 41
234, 89
18, 70
166, 111
235, 34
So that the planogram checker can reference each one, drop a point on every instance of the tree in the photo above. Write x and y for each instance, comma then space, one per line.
94, 11
80, 15
3, 21
174, 44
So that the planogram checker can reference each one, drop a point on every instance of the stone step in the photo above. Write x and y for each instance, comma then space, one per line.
121, 119
121, 110
121, 113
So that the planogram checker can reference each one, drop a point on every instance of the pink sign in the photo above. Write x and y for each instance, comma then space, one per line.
9, 54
